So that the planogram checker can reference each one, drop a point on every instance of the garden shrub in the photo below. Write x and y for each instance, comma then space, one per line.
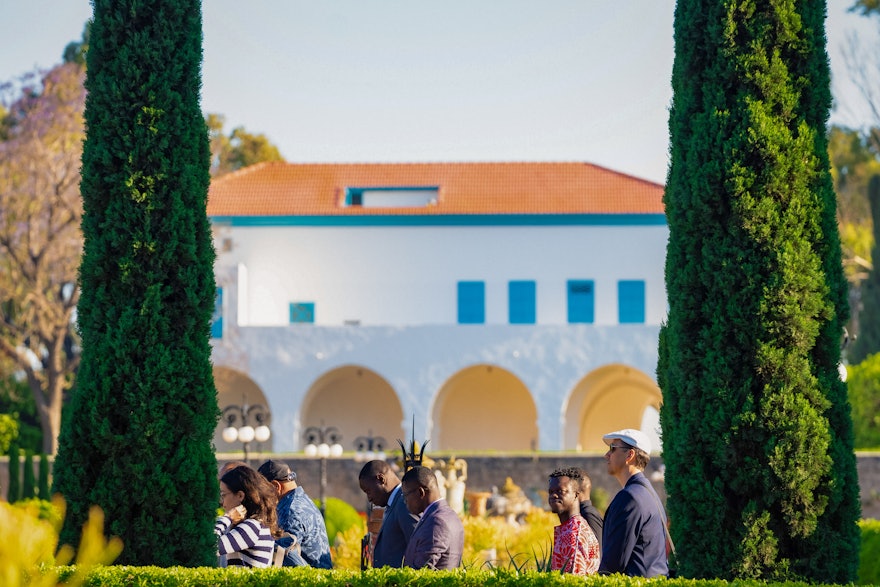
29, 553
339, 517
869, 556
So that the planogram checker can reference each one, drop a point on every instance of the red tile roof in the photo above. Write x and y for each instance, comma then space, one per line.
319, 189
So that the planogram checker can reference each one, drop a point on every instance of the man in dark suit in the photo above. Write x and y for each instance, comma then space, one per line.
382, 487
438, 540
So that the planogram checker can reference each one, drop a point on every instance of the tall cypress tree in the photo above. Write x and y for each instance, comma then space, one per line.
757, 434
137, 441
43, 477
28, 480
13, 491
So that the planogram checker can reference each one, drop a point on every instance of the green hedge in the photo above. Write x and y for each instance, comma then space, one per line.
869, 557
307, 577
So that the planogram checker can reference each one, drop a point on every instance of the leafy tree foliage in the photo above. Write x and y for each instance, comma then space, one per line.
40, 239
757, 434
866, 7
75, 51
238, 149
137, 439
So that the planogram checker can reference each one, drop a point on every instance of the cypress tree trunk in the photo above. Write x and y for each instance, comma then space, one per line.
757, 434
868, 340
137, 441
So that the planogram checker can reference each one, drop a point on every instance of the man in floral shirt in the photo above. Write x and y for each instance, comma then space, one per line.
298, 515
575, 547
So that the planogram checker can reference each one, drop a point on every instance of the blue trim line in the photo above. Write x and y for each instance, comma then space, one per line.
448, 220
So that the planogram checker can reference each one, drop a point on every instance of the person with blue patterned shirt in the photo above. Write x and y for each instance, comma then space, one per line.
300, 517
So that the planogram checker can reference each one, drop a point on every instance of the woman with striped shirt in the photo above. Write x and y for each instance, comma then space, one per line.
246, 532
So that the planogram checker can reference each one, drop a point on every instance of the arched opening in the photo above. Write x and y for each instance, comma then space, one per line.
610, 398
484, 407
235, 390
358, 402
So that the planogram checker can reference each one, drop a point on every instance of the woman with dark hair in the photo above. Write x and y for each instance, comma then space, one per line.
247, 531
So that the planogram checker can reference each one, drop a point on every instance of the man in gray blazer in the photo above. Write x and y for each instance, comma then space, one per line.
438, 540
378, 480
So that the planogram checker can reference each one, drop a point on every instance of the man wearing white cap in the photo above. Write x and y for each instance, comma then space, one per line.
634, 534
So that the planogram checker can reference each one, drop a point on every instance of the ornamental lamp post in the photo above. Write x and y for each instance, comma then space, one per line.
323, 442
238, 424
369, 447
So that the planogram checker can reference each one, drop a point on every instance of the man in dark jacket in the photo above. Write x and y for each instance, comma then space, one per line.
634, 533
382, 487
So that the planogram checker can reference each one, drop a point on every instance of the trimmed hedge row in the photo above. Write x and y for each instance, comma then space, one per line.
308, 577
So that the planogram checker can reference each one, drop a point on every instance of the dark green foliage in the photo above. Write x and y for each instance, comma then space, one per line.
868, 340
29, 480
757, 436
43, 477
864, 396
13, 491
16, 399
137, 438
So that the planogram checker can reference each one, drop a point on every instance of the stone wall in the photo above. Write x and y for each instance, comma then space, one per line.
529, 472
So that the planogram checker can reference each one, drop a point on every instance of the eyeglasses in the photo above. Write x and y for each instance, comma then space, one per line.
611, 447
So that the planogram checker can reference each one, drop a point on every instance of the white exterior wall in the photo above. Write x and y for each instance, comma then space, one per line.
400, 283
407, 275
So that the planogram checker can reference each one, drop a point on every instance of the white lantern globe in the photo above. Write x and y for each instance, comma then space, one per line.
262, 433
246, 433
323, 450
336, 450
230, 434
311, 450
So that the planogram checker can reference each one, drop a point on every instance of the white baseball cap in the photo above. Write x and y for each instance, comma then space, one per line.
634, 438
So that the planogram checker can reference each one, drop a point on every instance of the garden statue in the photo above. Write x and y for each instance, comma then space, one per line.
451, 477
511, 502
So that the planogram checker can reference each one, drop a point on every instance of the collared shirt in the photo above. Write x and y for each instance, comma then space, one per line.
575, 548
298, 515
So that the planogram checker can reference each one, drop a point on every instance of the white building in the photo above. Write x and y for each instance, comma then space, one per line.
508, 306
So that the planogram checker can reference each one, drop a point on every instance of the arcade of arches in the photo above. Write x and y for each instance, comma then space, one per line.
481, 407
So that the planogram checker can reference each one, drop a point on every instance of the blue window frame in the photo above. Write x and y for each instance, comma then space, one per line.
302, 312
471, 302
581, 301
631, 301
521, 302
217, 318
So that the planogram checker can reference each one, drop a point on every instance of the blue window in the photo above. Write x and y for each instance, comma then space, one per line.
217, 318
471, 302
581, 301
631, 302
521, 302
302, 312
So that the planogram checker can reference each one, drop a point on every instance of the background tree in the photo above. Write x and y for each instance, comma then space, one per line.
868, 334
40, 239
238, 149
137, 438
757, 434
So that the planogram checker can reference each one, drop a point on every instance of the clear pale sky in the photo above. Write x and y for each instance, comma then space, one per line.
457, 80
